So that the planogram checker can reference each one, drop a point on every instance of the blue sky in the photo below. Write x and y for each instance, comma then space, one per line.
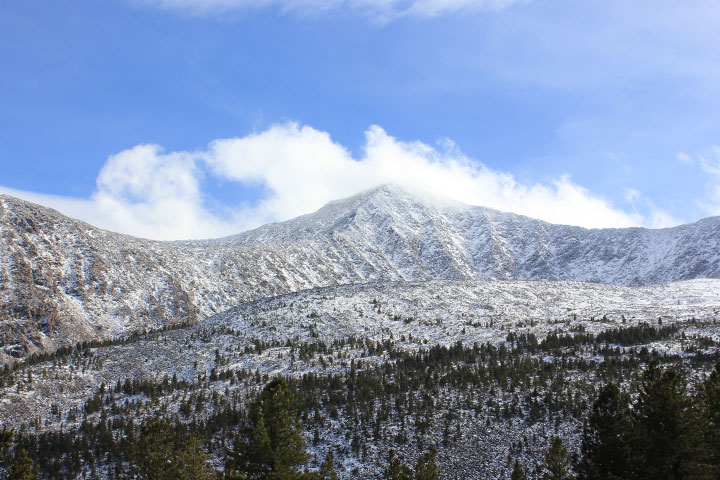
198, 118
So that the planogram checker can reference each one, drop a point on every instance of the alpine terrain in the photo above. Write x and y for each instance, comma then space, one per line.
399, 333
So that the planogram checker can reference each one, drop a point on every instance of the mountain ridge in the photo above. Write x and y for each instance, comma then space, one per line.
479, 243
64, 281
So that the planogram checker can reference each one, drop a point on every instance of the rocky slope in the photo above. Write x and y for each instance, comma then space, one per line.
405, 235
64, 281
322, 332
442, 312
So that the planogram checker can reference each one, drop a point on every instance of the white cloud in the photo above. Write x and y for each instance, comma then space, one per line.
382, 10
684, 158
660, 219
710, 161
432, 8
146, 192
654, 217
632, 195
710, 164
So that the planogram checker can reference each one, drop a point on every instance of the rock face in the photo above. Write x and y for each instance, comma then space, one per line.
64, 281
389, 233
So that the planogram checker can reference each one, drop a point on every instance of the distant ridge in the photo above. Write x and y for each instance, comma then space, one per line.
423, 238
63, 281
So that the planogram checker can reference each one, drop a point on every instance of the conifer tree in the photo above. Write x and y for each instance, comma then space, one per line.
662, 426
327, 468
252, 449
557, 462
398, 471
153, 455
606, 437
518, 472
191, 460
271, 445
6, 437
22, 468
706, 425
426, 469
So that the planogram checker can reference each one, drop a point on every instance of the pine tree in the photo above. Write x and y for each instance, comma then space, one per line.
398, 471
153, 456
606, 437
662, 426
191, 460
518, 473
426, 469
706, 428
283, 426
557, 462
327, 468
6, 437
252, 449
23, 468
271, 445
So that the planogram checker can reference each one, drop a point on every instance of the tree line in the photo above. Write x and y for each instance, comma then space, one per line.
403, 390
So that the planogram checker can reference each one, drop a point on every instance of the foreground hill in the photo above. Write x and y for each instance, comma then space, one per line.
481, 372
64, 281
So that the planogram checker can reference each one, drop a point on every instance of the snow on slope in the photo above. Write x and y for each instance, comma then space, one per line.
416, 238
442, 312
414, 315
63, 281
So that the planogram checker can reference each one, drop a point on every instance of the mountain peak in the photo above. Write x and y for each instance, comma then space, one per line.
387, 191
391, 199
52, 264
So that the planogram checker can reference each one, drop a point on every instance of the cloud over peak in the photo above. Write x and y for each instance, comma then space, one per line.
148, 192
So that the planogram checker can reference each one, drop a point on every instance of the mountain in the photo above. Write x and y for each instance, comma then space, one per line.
64, 281
389, 313
390, 233
443, 312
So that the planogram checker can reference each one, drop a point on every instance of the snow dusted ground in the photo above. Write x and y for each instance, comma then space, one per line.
414, 315
384, 265
64, 281
443, 312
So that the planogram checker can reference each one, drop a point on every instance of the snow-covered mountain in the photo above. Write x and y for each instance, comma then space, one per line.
63, 281
353, 302
390, 233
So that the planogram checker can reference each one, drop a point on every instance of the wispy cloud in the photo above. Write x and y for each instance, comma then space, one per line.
655, 216
684, 158
709, 163
380, 10
147, 192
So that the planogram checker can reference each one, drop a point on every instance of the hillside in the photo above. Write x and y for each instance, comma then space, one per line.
64, 281
390, 230
479, 371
